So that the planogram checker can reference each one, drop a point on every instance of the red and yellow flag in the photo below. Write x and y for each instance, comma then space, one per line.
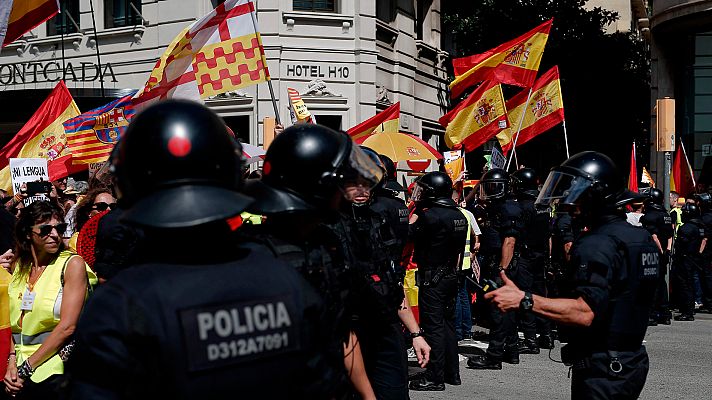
17, 17
544, 111
514, 63
42, 136
682, 179
477, 119
387, 120
216, 54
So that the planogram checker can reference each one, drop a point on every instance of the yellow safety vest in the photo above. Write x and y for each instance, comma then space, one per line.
38, 323
466, 254
252, 219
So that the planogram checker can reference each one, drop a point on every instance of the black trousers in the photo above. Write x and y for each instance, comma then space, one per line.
684, 285
531, 276
598, 381
436, 304
385, 358
53, 387
706, 279
503, 333
661, 302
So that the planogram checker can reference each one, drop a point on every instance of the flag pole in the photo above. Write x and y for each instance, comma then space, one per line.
96, 42
516, 160
566, 140
264, 63
521, 121
689, 166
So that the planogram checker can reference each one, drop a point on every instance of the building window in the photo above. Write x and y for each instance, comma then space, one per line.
240, 125
62, 22
331, 121
216, 3
315, 5
119, 13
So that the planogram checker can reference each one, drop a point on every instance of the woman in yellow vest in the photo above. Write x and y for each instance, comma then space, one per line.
46, 294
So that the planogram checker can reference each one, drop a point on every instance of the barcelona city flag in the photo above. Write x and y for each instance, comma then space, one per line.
544, 110
476, 119
682, 179
43, 137
387, 120
514, 63
92, 135
18, 17
219, 53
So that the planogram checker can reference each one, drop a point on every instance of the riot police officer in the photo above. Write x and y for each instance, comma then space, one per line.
533, 258
391, 178
659, 223
704, 201
438, 231
612, 284
500, 244
689, 248
206, 317
305, 170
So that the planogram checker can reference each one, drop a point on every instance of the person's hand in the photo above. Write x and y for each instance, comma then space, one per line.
53, 193
507, 297
278, 128
5, 260
13, 383
422, 351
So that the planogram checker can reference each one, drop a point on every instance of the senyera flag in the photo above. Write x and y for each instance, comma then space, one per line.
43, 137
544, 110
218, 53
92, 135
387, 120
18, 17
476, 119
514, 63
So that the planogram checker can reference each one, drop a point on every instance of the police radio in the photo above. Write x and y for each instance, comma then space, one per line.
484, 286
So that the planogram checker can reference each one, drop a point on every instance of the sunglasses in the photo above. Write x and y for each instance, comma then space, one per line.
101, 206
46, 229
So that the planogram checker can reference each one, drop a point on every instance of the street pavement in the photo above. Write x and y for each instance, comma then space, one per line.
680, 368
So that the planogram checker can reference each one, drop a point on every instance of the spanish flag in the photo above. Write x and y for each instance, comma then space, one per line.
42, 136
477, 119
387, 120
682, 179
514, 63
544, 110
17, 17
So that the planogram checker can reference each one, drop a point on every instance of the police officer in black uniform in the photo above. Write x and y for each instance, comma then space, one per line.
391, 178
614, 268
533, 259
207, 317
704, 201
304, 173
438, 231
689, 250
500, 242
659, 223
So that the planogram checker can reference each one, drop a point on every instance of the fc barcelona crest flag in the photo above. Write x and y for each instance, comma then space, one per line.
92, 135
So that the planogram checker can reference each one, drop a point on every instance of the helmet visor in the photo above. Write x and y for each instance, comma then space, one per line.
362, 169
566, 188
417, 194
492, 190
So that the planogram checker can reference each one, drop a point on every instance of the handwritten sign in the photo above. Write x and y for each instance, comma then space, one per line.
25, 170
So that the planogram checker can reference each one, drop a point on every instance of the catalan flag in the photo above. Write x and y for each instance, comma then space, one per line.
544, 110
514, 63
18, 17
92, 135
387, 120
42, 136
218, 53
476, 119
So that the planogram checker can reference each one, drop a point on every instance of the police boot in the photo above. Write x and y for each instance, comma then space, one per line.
423, 384
483, 362
528, 346
546, 342
511, 355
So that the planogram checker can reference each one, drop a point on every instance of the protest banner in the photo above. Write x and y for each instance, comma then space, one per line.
498, 160
24, 170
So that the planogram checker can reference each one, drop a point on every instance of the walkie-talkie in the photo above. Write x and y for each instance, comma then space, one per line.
485, 285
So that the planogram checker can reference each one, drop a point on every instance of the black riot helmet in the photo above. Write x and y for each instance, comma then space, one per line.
176, 166
524, 182
494, 184
435, 187
391, 173
376, 158
689, 211
704, 200
656, 196
587, 179
306, 166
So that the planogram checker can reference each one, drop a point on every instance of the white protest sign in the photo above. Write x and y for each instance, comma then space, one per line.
95, 167
25, 170
498, 160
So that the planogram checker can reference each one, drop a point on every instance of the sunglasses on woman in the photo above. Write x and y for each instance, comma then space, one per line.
46, 229
102, 206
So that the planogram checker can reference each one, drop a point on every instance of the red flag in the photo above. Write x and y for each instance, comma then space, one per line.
387, 120
17, 17
633, 174
681, 179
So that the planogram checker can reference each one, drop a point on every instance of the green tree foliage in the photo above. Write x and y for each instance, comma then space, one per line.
604, 77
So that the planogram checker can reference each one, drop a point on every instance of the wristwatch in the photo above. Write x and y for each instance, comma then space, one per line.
414, 335
527, 302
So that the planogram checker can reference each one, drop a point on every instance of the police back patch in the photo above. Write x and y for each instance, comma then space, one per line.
233, 333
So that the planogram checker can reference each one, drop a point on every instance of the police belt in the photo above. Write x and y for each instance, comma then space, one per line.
614, 359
